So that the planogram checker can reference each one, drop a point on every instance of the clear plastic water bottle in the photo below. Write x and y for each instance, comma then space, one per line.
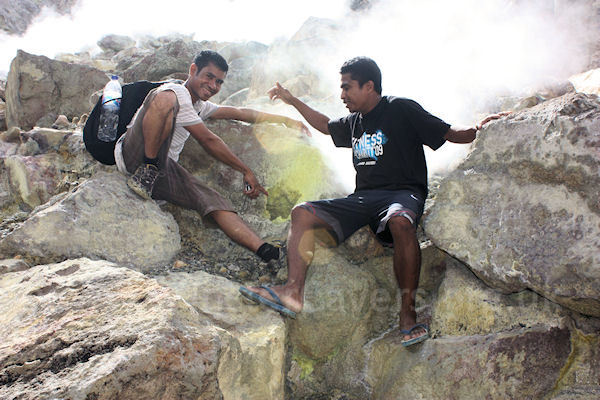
109, 114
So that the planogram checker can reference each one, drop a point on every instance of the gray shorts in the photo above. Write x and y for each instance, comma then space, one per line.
368, 207
174, 183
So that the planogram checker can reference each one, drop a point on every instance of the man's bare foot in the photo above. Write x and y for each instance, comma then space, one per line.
289, 298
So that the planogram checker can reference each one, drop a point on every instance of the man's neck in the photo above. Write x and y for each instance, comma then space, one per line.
371, 104
193, 94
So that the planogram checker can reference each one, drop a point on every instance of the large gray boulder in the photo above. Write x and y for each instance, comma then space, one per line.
489, 345
86, 329
254, 367
338, 301
101, 219
39, 89
523, 211
522, 364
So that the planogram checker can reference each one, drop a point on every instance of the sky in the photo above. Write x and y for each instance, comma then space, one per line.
454, 58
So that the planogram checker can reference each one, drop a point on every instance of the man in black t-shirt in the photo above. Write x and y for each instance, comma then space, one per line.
386, 135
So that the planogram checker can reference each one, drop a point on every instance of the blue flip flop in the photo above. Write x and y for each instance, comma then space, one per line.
277, 305
417, 339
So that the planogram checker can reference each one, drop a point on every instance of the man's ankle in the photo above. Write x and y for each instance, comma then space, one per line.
268, 252
151, 161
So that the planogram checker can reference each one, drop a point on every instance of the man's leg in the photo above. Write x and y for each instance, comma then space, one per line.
146, 145
407, 267
236, 229
300, 247
157, 124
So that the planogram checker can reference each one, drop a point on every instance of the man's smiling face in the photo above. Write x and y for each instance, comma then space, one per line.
205, 83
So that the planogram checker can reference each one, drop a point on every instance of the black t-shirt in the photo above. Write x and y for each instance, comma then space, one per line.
387, 144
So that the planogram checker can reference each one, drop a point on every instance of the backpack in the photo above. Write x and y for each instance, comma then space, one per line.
132, 98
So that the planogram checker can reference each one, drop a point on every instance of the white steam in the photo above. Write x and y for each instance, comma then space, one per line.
233, 20
454, 58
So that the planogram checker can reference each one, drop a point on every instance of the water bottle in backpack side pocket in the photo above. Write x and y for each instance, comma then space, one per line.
109, 114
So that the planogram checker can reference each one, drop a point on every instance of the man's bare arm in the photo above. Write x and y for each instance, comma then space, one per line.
456, 134
215, 146
313, 117
255, 116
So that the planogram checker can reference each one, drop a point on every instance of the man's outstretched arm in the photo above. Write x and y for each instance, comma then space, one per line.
254, 116
458, 134
215, 146
313, 117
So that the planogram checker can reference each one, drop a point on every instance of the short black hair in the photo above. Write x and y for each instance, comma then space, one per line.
209, 56
363, 69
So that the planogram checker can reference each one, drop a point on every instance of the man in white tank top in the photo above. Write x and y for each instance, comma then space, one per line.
157, 133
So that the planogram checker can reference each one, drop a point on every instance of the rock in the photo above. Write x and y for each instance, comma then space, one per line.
254, 367
61, 122
33, 179
152, 43
338, 299
579, 378
343, 309
13, 265
29, 147
464, 306
87, 329
334, 286
528, 102
32, 87
30, 180
115, 43
2, 115
178, 264
521, 364
587, 82
362, 246
128, 57
523, 211
173, 57
101, 219
12, 135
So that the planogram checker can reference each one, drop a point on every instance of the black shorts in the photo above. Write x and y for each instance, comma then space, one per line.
368, 207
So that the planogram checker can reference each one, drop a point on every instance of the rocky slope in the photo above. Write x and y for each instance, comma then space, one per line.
107, 296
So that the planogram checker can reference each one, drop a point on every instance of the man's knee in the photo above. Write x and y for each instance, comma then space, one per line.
401, 226
303, 220
300, 213
163, 104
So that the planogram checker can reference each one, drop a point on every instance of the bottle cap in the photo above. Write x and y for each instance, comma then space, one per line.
114, 77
